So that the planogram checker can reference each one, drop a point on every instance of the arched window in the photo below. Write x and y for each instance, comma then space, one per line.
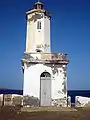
38, 25
45, 74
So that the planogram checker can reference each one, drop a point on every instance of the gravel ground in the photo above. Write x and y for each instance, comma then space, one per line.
12, 113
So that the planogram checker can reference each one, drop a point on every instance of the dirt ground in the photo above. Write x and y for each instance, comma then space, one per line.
8, 113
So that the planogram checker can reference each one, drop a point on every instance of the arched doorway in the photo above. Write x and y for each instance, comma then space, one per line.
45, 89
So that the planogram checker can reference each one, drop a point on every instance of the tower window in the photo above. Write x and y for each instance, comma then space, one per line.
38, 25
38, 6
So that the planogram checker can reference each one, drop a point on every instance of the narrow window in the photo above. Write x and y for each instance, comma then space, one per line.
38, 25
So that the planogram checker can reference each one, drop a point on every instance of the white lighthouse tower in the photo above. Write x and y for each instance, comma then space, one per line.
44, 72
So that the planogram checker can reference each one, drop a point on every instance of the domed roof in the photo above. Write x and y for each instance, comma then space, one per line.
38, 5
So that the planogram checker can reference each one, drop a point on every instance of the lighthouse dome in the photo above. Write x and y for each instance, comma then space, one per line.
38, 5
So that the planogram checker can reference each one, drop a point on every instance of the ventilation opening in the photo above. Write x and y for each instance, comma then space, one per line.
37, 50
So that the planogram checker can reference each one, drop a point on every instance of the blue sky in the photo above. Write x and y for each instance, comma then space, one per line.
70, 33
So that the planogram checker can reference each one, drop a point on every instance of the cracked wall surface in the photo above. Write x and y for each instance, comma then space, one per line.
58, 82
38, 39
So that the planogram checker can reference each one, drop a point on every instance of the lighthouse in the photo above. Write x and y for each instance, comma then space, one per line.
45, 73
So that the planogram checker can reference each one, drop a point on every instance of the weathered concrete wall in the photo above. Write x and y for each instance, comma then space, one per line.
32, 79
8, 99
47, 35
58, 82
81, 101
38, 38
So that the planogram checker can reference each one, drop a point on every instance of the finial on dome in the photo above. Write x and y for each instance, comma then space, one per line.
39, 1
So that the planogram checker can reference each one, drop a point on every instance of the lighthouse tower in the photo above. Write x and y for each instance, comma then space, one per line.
38, 29
44, 72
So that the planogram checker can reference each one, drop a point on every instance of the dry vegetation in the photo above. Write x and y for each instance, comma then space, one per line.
14, 113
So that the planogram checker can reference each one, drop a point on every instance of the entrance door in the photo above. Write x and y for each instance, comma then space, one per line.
45, 89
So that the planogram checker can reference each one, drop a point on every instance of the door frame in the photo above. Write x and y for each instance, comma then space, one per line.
44, 75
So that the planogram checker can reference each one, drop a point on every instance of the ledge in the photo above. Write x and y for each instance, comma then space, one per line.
45, 58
